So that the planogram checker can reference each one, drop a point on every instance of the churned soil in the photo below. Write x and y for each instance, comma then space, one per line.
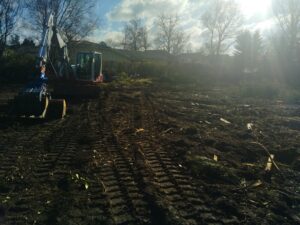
153, 154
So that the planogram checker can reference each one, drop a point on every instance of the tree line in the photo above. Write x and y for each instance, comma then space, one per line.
222, 24
72, 18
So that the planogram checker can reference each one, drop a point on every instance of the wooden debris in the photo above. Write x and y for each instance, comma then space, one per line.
167, 131
225, 121
257, 183
216, 158
269, 163
249, 164
139, 130
86, 185
249, 126
267, 151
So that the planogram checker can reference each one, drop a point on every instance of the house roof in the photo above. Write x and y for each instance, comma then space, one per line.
111, 54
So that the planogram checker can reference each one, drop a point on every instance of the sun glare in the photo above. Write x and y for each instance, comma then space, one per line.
254, 7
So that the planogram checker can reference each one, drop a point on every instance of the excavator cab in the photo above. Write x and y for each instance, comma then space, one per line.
89, 66
87, 73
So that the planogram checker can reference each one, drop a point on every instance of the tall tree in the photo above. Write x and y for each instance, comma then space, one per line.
249, 50
257, 48
145, 39
170, 37
243, 49
72, 18
287, 13
135, 35
9, 11
222, 21
15, 40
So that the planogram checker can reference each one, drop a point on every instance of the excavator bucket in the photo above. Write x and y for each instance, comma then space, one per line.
46, 109
29, 105
34, 101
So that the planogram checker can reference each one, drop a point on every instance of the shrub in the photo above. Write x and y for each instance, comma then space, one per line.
16, 67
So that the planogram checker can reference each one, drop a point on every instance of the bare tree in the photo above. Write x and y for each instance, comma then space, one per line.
15, 40
145, 40
222, 22
9, 10
287, 13
181, 42
169, 37
72, 18
135, 35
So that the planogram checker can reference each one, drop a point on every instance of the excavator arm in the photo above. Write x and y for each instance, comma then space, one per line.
34, 100
51, 34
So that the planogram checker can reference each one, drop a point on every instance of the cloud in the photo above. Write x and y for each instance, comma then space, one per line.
189, 12
145, 9
266, 27
195, 34
107, 34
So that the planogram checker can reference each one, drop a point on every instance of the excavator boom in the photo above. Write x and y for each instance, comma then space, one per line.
35, 100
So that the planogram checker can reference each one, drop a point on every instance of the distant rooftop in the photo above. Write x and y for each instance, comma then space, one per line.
112, 54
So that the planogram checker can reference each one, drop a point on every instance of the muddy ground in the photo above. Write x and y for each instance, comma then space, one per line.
155, 154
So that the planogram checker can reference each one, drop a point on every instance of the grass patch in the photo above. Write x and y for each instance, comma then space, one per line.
123, 79
213, 171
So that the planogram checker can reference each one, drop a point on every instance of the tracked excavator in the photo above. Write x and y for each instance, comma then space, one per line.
54, 72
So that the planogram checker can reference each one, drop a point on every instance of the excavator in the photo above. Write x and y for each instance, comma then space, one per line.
54, 72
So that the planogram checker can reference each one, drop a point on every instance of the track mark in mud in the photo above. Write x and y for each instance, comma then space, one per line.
126, 200
16, 172
71, 152
111, 162
169, 193
166, 178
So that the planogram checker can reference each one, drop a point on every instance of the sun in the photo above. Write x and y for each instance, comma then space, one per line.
254, 7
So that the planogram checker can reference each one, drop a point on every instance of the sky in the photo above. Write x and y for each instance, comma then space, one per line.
115, 13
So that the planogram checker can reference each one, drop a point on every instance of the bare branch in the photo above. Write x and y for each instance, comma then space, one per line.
73, 18
9, 11
287, 13
169, 37
222, 21
135, 36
